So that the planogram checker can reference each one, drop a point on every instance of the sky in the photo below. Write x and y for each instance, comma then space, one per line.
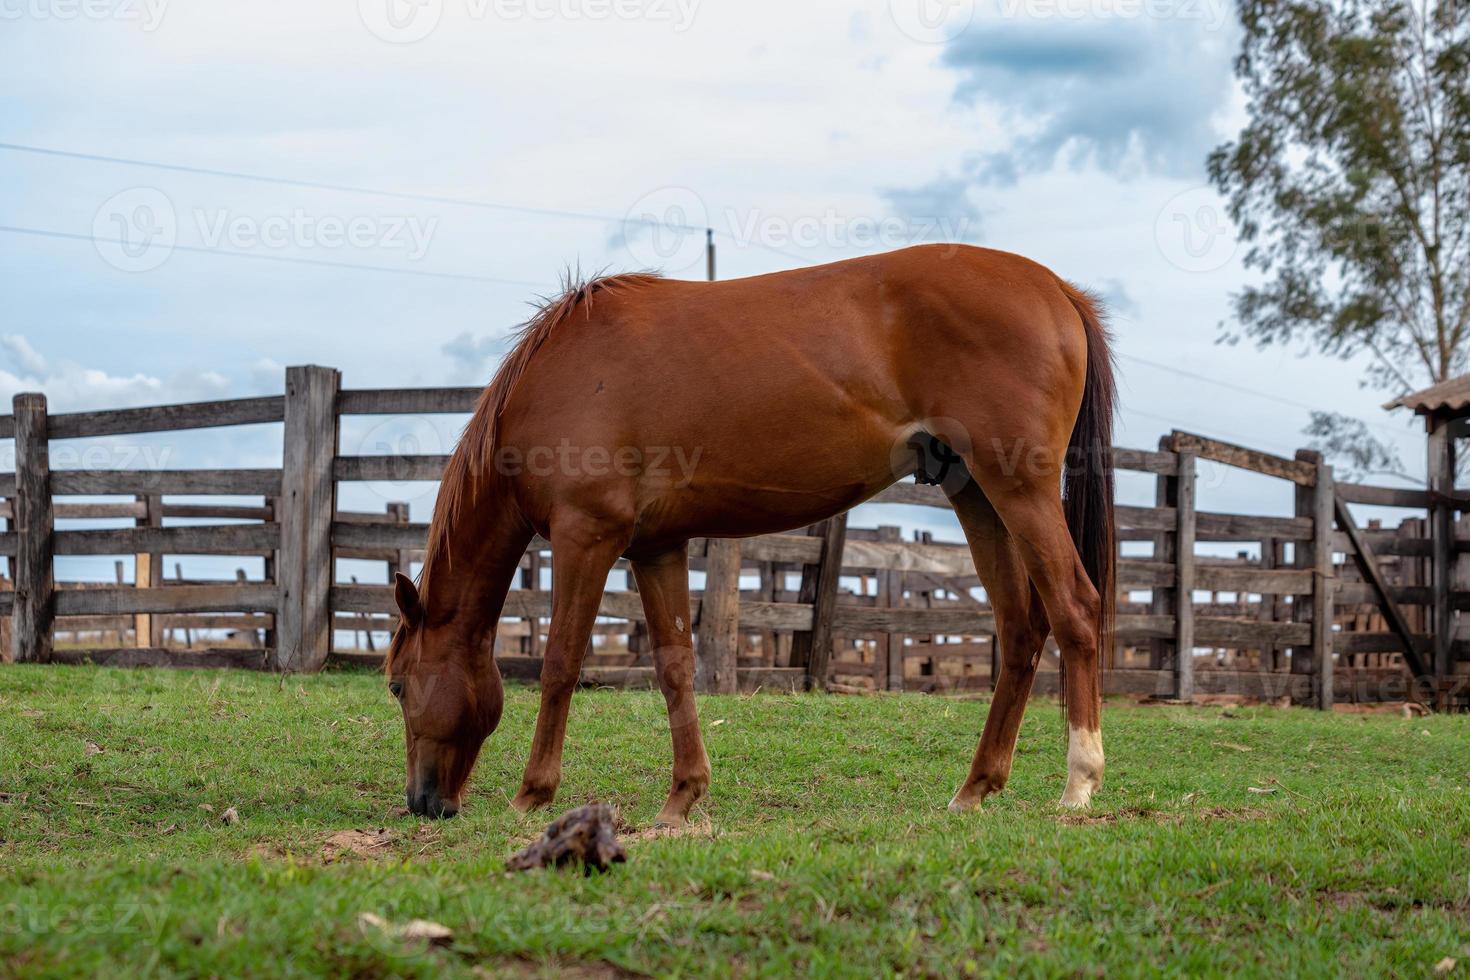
432, 166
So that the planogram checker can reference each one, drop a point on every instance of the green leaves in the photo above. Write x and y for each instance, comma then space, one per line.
1351, 182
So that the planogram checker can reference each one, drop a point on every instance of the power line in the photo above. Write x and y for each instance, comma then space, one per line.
328, 186
510, 208
396, 195
288, 259
1245, 440
1242, 389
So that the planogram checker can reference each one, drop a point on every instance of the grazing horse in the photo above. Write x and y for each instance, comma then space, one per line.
636, 413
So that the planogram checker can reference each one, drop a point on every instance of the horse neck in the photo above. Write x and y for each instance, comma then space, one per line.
469, 572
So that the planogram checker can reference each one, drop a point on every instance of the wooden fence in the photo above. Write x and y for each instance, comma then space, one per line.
1327, 611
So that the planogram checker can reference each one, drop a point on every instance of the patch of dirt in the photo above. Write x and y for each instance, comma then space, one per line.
1390, 900
701, 828
1160, 816
357, 843
1404, 709
576, 969
1225, 813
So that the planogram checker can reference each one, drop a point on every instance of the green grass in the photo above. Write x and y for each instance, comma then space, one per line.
828, 849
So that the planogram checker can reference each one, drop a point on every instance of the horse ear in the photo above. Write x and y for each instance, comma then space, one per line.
406, 594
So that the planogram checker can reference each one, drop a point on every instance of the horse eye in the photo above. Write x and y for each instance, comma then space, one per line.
396, 689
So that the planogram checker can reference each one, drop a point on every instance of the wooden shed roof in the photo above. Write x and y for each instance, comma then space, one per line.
1450, 397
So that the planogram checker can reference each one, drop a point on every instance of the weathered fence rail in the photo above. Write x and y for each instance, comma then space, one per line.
1328, 610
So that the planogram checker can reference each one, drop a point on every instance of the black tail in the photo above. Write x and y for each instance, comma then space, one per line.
1088, 488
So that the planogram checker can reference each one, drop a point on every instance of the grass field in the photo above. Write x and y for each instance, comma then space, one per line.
826, 847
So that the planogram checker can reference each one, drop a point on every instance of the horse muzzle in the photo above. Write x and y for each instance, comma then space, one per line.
425, 801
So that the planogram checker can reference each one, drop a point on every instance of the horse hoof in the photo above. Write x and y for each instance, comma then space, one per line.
967, 802
1076, 799
972, 795
528, 800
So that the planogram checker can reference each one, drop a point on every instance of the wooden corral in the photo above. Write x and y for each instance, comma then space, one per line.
1314, 608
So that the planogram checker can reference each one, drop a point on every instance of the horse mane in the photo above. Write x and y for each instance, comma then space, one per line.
474, 455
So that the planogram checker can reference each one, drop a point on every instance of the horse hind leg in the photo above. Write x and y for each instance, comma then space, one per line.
1020, 629
663, 583
1032, 512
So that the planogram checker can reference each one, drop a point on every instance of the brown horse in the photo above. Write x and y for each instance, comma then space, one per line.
636, 413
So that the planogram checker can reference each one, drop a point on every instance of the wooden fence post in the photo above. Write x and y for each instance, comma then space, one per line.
308, 505
1184, 538
889, 648
35, 576
716, 671
268, 636
1318, 502
1442, 558
148, 573
1324, 578
1270, 605
1324, 506
1163, 602
819, 588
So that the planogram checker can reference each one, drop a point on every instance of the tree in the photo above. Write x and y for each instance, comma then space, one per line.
1351, 183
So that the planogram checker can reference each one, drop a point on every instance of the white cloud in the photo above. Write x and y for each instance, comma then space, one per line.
1128, 95
474, 358
70, 386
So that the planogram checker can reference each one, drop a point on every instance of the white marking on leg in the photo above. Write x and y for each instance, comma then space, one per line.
1084, 767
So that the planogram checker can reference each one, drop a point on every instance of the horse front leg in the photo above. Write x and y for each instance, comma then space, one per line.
663, 582
582, 554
